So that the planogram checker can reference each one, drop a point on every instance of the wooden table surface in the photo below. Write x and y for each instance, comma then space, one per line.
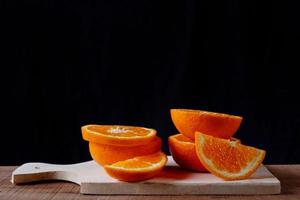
289, 176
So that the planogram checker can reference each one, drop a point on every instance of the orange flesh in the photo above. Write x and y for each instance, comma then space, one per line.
208, 112
120, 131
138, 168
139, 162
132, 164
154, 158
227, 159
226, 156
118, 135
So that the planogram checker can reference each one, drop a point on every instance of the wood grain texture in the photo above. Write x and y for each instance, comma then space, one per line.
289, 175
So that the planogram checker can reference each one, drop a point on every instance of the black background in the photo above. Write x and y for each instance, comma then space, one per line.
70, 63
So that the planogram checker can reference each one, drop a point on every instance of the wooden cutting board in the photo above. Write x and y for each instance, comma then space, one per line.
172, 181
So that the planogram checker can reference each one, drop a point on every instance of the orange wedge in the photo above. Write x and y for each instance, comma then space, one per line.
211, 123
118, 135
137, 168
229, 160
183, 151
108, 154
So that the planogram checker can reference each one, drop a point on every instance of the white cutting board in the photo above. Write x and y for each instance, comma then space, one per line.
172, 181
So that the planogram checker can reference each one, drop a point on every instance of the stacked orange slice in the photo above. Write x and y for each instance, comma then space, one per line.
122, 150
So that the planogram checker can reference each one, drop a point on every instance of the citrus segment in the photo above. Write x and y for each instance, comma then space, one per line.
118, 135
109, 154
138, 168
227, 159
211, 123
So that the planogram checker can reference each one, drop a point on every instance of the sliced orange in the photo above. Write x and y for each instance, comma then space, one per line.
118, 135
137, 168
183, 151
109, 154
227, 159
211, 123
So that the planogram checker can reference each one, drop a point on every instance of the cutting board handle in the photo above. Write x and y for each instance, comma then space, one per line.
31, 172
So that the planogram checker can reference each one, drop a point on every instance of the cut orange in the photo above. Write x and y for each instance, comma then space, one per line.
215, 124
227, 159
137, 168
109, 154
183, 151
118, 135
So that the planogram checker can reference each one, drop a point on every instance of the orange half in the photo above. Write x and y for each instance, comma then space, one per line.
138, 168
183, 151
108, 154
118, 135
219, 125
229, 160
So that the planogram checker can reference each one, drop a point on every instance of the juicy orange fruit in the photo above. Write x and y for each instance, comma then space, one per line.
227, 159
138, 168
128, 153
215, 124
183, 151
109, 154
118, 135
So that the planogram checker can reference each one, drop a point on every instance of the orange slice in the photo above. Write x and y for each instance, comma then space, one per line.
137, 168
215, 124
118, 135
109, 154
227, 159
183, 151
